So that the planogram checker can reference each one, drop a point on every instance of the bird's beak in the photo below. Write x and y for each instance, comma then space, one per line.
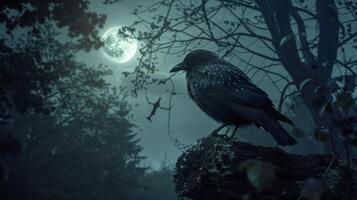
178, 67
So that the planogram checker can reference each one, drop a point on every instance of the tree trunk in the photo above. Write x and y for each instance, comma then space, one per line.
312, 74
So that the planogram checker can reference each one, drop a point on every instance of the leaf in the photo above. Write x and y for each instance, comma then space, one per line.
313, 189
302, 85
285, 39
213, 169
350, 83
324, 107
318, 89
259, 173
321, 135
345, 100
326, 63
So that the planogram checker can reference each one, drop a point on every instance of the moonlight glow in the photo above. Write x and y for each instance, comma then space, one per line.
118, 48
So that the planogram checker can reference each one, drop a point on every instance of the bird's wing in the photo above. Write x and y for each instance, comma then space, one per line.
232, 84
222, 88
261, 118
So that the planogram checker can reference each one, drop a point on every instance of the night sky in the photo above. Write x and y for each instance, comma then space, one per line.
188, 122
185, 115
94, 101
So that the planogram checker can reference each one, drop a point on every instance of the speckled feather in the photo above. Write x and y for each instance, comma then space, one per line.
227, 95
218, 79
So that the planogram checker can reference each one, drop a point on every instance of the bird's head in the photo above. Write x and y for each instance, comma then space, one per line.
193, 60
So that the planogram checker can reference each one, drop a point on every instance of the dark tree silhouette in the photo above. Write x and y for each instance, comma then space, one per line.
159, 184
84, 147
23, 82
81, 23
65, 132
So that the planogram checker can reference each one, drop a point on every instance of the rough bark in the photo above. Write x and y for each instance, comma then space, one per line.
212, 170
313, 74
328, 21
277, 17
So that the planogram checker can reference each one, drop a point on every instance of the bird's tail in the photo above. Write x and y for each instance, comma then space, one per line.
278, 116
268, 121
278, 132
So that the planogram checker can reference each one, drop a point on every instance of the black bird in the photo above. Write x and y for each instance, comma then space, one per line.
227, 95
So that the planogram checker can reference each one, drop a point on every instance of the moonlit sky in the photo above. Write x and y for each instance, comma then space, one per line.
188, 122
154, 137
117, 48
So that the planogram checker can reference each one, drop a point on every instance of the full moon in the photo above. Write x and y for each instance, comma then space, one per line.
118, 48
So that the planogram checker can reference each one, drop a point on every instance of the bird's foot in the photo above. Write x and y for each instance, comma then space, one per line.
227, 131
234, 133
215, 132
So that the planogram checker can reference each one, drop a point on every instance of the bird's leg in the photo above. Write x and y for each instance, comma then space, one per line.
228, 129
234, 132
215, 131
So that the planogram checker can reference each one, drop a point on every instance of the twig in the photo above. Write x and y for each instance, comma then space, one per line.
155, 105
329, 167
163, 82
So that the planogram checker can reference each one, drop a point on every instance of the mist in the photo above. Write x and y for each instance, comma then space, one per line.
76, 124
